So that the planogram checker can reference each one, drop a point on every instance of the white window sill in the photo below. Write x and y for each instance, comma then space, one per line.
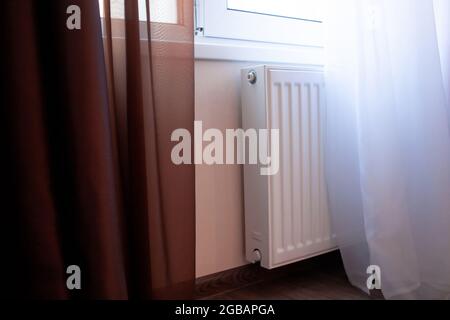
209, 48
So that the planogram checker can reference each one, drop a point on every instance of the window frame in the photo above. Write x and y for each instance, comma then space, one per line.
170, 32
216, 40
221, 22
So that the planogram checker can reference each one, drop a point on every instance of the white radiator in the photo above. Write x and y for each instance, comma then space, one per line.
286, 215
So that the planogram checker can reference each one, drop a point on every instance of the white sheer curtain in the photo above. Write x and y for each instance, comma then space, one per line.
388, 142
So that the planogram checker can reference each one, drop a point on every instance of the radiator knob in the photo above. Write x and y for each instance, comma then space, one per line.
251, 76
256, 256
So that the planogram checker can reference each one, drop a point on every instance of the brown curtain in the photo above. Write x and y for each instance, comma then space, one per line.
87, 177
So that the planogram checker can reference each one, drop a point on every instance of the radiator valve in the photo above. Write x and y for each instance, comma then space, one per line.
251, 76
256, 256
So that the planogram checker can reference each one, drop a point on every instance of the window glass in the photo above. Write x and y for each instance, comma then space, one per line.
297, 9
163, 11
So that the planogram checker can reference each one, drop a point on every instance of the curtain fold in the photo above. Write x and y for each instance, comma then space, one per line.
86, 128
388, 145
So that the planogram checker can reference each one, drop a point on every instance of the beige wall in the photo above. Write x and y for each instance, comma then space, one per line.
219, 192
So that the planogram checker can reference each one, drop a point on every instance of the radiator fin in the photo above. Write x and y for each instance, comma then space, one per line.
299, 214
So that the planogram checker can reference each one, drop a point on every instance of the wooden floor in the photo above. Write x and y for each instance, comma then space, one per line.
315, 279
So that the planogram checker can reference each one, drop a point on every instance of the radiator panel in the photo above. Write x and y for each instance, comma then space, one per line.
294, 221
300, 224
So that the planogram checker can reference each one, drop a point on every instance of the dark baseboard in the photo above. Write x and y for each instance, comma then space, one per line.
237, 278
